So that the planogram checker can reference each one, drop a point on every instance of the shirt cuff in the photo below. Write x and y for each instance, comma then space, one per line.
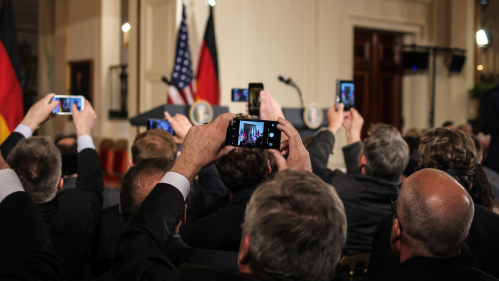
178, 181
9, 183
24, 130
85, 141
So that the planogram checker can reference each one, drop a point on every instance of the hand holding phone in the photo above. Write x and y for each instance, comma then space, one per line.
254, 102
345, 91
66, 102
252, 133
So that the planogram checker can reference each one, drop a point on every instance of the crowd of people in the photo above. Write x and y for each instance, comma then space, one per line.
421, 205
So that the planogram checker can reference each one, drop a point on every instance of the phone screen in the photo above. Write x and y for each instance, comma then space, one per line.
239, 95
254, 90
66, 103
160, 124
252, 133
345, 94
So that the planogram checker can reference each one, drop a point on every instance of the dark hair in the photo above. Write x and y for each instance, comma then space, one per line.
138, 182
37, 163
387, 154
152, 144
482, 191
413, 143
69, 157
444, 149
447, 123
60, 137
243, 168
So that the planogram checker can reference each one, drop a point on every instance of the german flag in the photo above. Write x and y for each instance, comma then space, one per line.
207, 79
11, 95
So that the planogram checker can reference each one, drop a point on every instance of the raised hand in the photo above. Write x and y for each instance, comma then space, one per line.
84, 120
298, 157
180, 124
353, 124
40, 112
335, 118
202, 146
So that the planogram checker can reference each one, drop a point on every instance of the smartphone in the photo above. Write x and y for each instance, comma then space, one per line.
66, 102
254, 90
160, 124
253, 133
345, 94
239, 95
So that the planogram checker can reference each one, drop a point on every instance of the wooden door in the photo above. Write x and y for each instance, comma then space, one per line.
378, 77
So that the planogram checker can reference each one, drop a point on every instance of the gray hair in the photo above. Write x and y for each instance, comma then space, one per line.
387, 153
37, 163
296, 226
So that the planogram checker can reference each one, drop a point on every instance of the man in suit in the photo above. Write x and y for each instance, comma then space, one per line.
433, 215
453, 152
374, 168
67, 145
26, 252
241, 171
294, 226
73, 214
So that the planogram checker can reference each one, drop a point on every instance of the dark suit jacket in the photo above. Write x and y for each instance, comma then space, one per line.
222, 230
72, 216
141, 252
431, 269
365, 198
479, 251
26, 252
489, 122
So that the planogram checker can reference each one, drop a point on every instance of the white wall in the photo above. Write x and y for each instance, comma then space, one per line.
311, 41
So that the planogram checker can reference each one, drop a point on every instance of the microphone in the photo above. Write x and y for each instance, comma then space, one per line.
290, 82
285, 80
164, 79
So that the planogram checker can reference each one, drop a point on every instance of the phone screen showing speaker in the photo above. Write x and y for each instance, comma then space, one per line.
345, 94
254, 90
66, 102
160, 124
254, 134
239, 95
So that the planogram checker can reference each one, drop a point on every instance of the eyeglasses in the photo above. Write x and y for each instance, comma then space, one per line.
394, 209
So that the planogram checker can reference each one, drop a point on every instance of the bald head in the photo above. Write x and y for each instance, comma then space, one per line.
435, 212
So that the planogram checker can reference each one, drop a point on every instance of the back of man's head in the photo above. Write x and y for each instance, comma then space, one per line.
296, 226
386, 152
37, 163
243, 168
445, 149
68, 147
138, 182
153, 144
435, 213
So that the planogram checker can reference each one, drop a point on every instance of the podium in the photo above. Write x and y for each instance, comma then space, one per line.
293, 115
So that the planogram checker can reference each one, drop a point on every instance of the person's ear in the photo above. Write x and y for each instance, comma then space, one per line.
362, 160
244, 251
395, 236
130, 162
183, 217
61, 183
270, 168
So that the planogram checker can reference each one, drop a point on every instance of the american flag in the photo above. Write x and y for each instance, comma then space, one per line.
182, 74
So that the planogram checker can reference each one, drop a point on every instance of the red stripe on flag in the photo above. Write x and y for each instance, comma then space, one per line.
207, 80
11, 95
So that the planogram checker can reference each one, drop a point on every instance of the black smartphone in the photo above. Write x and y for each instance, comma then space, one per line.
253, 133
239, 95
160, 124
254, 90
345, 91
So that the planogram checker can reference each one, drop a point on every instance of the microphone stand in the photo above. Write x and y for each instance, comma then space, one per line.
299, 92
